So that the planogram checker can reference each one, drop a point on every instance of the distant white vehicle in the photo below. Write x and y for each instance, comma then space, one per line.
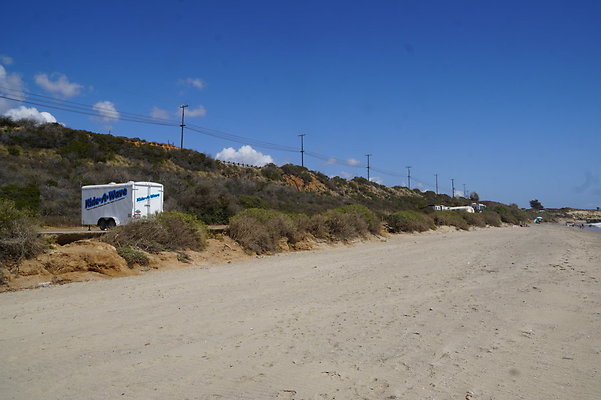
468, 209
478, 206
118, 203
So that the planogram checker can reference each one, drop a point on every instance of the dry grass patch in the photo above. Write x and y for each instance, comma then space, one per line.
409, 221
166, 231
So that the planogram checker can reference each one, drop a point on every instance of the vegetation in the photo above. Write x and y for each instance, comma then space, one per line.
409, 221
166, 231
451, 218
18, 235
474, 219
52, 162
491, 218
364, 213
536, 205
133, 256
260, 230
266, 231
45, 165
511, 214
25, 197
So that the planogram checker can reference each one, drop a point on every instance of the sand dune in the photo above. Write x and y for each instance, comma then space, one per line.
503, 313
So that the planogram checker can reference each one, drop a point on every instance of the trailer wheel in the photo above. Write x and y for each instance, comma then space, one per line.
111, 224
102, 224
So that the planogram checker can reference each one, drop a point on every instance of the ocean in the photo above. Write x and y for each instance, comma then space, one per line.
593, 228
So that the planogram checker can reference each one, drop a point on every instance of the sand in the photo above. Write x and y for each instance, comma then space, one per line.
500, 313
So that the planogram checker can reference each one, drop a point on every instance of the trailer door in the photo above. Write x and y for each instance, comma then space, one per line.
155, 199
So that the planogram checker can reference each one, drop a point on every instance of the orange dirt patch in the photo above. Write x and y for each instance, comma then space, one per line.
91, 259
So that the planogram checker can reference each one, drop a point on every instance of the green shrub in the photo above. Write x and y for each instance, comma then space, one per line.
260, 230
345, 226
373, 222
297, 170
409, 221
183, 257
511, 215
19, 238
166, 231
474, 219
317, 226
450, 218
271, 172
491, 218
252, 202
25, 197
133, 256
14, 150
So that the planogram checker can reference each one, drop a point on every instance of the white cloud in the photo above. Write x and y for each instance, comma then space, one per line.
107, 110
6, 60
159, 113
199, 111
376, 179
196, 83
60, 86
331, 161
23, 112
11, 85
352, 162
346, 175
458, 193
245, 155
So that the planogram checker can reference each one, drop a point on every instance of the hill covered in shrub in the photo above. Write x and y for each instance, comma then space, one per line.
44, 167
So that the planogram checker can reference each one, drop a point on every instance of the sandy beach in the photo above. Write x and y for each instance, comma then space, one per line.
499, 313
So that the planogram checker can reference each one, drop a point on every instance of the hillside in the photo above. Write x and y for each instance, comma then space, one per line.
44, 167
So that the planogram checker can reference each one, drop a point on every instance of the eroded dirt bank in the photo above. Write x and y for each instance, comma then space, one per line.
502, 313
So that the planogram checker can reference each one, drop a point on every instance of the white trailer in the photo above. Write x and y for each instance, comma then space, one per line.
118, 203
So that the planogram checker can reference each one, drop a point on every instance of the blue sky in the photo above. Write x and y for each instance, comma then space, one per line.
502, 96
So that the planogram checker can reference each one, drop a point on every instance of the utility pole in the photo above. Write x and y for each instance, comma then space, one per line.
183, 106
368, 155
302, 151
436, 175
453, 187
408, 177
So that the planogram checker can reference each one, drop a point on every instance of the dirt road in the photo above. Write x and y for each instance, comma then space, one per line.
500, 313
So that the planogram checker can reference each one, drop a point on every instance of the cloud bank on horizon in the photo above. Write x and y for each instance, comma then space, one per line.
31, 113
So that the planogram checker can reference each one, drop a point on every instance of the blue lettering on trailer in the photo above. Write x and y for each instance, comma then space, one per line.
108, 197
152, 196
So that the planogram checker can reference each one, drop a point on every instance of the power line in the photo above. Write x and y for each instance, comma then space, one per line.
48, 101
95, 111
91, 113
